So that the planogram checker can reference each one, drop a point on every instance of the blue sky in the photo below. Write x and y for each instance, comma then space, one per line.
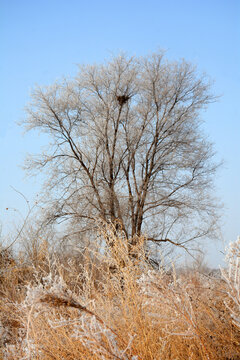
41, 41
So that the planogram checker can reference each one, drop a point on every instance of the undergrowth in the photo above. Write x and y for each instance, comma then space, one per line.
114, 305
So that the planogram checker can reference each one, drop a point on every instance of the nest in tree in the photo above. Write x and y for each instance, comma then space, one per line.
122, 99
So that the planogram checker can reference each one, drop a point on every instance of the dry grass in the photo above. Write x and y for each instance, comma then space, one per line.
114, 306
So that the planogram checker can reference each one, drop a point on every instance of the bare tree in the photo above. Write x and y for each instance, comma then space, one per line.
126, 145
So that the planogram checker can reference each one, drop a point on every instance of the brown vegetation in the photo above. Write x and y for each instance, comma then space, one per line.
56, 308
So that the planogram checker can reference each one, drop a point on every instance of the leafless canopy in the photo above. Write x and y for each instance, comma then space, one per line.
126, 145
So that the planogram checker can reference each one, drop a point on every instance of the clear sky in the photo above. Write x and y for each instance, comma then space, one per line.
41, 41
